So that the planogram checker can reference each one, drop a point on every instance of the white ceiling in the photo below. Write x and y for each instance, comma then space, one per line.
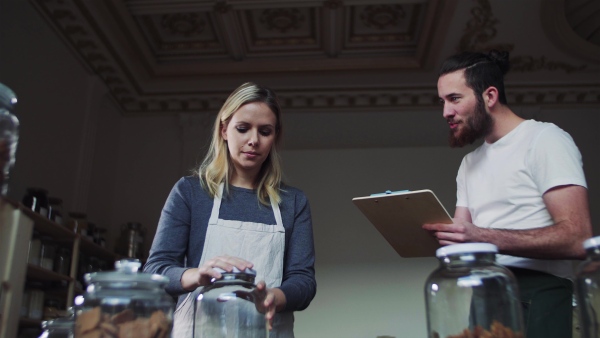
184, 56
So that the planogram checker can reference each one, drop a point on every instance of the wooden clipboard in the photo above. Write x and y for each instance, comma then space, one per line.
398, 216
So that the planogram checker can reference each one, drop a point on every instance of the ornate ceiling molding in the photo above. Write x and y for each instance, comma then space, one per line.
574, 26
481, 29
163, 55
160, 56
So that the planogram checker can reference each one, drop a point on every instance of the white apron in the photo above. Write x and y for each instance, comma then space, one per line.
261, 244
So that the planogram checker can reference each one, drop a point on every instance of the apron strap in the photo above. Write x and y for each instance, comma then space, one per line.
214, 215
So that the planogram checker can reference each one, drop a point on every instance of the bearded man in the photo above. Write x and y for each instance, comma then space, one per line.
523, 190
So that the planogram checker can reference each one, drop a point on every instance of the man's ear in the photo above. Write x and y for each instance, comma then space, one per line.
490, 96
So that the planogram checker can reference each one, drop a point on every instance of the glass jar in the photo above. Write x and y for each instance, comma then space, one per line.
36, 302
61, 327
587, 286
47, 253
36, 199
228, 307
62, 261
470, 295
78, 223
35, 249
9, 135
55, 213
124, 301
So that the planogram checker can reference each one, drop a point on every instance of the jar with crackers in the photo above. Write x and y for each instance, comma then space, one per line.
124, 303
587, 287
470, 295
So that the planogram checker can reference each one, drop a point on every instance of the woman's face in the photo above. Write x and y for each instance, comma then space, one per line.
250, 134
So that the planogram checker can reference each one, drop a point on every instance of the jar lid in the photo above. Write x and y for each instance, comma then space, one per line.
62, 323
126, 272
247, 271
466, 248
593, 242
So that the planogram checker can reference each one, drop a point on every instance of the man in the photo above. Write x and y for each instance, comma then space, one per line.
523, 189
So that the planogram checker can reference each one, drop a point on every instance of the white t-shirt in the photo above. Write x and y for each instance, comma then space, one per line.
502, 183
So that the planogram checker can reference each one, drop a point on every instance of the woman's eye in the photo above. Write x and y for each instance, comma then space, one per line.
266, 132
241, 129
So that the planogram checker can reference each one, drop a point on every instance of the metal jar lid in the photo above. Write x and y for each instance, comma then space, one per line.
126, 272
466, 248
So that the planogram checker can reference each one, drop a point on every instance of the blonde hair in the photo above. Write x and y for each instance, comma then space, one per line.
217, 167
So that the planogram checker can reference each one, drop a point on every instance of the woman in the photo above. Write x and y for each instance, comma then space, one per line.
239, 184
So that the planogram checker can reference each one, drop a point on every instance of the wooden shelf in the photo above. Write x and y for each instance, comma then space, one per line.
56, 285
46, 227
92, 249
38, 273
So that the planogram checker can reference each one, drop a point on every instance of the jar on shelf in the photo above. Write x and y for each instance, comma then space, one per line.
228, 307
47, 253
587, 287
36, 302
55, 212
78, 223
470, 295
25, 303
37, 200
62, 261
35, 249
126, 301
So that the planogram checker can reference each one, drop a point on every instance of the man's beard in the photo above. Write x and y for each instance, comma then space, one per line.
477, 125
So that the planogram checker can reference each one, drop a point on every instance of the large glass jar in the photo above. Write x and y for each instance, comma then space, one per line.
587, 286
9, 135
61, 327
125, 304
228, 308
470, 295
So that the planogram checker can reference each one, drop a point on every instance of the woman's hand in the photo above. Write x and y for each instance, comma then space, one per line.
202, 276
269, 301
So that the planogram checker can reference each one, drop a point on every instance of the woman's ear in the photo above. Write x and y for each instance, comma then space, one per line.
490, 96
224, 131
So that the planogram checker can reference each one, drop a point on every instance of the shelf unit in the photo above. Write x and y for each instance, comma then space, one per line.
65, 288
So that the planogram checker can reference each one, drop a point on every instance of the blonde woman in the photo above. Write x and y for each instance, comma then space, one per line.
239, 182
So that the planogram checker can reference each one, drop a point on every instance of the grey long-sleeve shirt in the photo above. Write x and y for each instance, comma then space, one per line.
181, 232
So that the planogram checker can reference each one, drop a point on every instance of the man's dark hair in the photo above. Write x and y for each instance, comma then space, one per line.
482, 70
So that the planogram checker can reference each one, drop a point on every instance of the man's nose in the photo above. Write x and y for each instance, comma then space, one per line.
447, 111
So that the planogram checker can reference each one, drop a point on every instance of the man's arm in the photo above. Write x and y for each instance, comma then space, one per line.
568, 206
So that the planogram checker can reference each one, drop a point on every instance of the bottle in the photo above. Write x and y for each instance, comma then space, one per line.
126, 302
228, 307
587, 287
470, 295
9, 135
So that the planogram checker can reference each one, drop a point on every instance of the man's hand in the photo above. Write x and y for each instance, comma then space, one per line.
460, 231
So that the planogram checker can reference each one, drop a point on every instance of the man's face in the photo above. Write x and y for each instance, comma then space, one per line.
464, 111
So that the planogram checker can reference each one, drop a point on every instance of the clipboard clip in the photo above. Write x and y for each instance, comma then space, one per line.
388, 192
